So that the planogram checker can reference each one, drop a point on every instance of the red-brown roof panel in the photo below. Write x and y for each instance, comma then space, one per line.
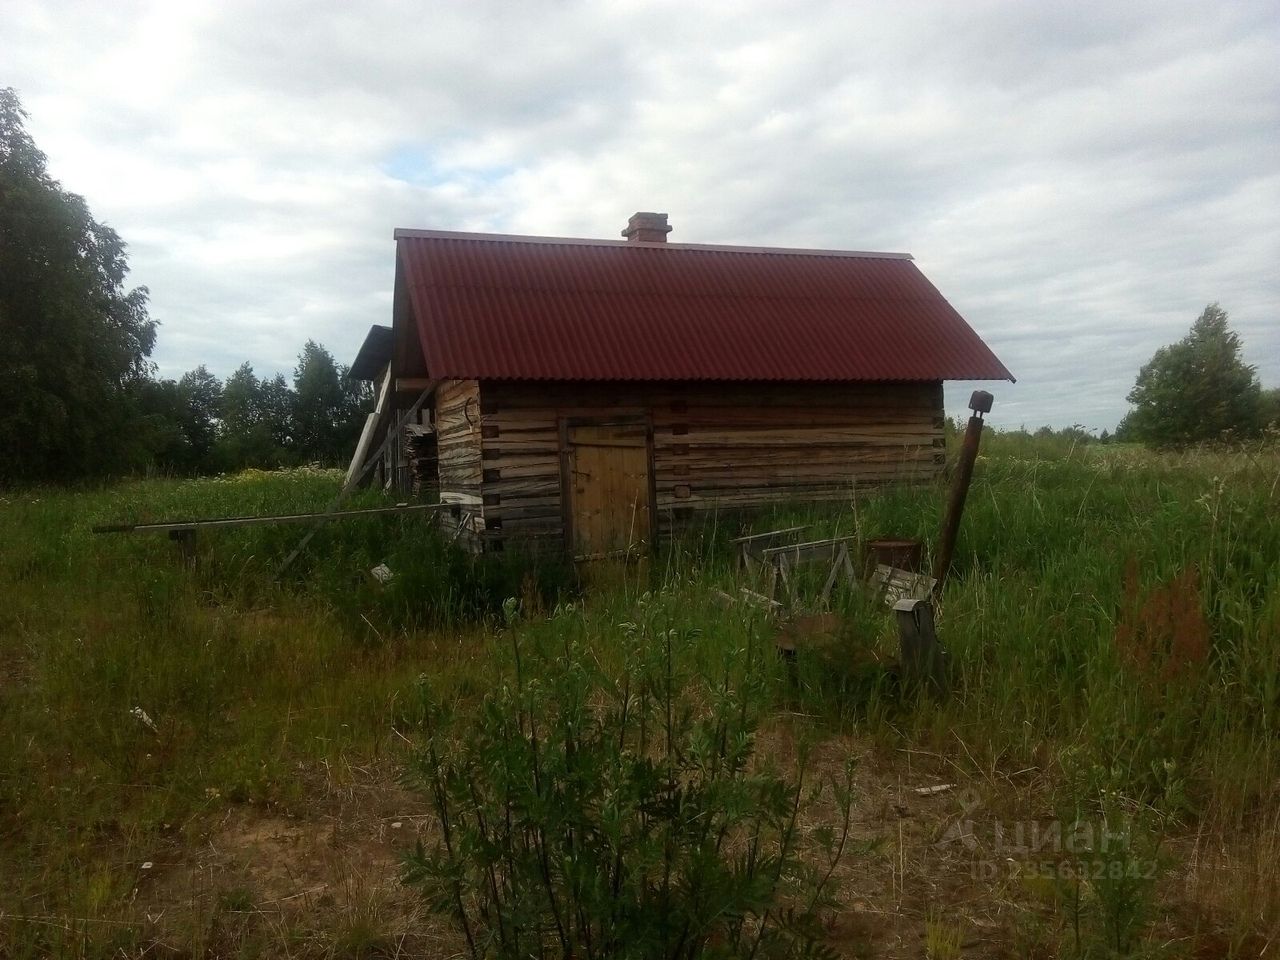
544, 309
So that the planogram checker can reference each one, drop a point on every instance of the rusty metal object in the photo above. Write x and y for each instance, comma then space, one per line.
979, 403
899, 554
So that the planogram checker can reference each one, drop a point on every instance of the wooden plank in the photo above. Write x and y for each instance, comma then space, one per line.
408, 384
822, 470
859, 435
808, 550
361, 454
899, 585
609, 491
758, 539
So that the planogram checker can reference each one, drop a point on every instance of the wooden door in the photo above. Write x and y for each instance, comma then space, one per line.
609, 509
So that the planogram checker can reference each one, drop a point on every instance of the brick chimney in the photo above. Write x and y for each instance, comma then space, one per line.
647, 228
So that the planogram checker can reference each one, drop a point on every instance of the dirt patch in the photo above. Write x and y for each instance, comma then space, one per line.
924, 875
321, 883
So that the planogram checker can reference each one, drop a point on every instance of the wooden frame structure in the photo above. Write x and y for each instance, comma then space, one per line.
775, 555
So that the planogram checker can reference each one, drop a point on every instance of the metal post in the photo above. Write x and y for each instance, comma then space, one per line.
979, 403
186, 543
922, 660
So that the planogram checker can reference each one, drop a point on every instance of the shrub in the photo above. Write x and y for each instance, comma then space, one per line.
590, 812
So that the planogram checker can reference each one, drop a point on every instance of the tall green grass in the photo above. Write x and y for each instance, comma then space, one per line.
1085, 580
1055, 562
249, 682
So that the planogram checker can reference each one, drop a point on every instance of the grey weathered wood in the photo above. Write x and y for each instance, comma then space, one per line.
749, 547
842, 563
755, 538
901, 584
812, 549
370, 426
759, 598
781, 561
783, 566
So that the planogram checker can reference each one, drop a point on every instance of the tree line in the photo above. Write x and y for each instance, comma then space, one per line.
79, 395
198, 424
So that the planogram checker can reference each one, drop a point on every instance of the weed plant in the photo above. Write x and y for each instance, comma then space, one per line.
594, 808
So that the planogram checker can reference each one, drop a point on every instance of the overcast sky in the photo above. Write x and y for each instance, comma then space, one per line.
1079, 179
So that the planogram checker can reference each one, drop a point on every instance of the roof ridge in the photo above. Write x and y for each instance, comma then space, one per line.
404, 233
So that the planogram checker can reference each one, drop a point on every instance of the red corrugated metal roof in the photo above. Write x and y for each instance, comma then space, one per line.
495, 307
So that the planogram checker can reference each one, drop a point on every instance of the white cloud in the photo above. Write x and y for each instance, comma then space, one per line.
1078, 179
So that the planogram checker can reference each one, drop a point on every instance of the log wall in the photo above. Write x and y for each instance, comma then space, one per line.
715, 446
457, 424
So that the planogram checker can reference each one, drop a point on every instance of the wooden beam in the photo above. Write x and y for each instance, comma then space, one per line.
409, 384
753, 538
804, 551
370, 427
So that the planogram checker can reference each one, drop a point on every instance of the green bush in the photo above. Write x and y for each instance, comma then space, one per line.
594, 813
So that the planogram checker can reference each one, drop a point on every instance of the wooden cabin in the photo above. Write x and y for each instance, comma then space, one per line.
596, 395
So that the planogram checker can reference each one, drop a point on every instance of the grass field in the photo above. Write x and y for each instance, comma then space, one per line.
207, 762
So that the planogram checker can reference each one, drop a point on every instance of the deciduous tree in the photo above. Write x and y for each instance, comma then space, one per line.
1195, 390
327, 407
201, 395
74, 341
249, 434
277, 410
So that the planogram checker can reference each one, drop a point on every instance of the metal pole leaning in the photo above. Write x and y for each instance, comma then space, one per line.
979, 404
